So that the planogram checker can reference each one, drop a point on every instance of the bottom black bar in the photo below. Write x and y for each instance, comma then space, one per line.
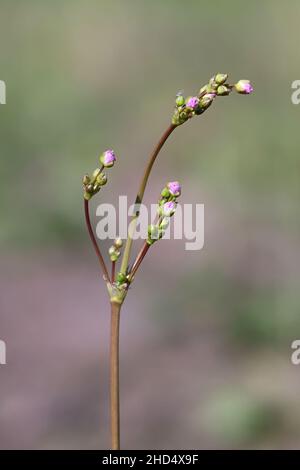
137, 458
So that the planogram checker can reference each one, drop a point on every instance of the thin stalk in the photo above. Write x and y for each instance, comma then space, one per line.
114, 377
113, 271
139, 258
140, 195
94, 241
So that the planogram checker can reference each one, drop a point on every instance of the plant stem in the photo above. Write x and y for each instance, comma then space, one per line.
114, 376
113, 271
139, 258
94, 241
140, 195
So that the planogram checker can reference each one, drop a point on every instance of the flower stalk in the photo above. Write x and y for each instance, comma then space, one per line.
94, 241
114, 376
118, 282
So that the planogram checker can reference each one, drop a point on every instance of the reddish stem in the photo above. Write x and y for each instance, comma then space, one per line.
94, 241
139, 258
113, 271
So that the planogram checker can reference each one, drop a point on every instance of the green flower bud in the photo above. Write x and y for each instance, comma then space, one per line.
111, 250
101, 179
180, 100
179, 117
221, 78
86, 179
207, 100
183, 116
212, 86
121, 278
153, 233
164, 223
114, 254
114, 257
223, 90
165, 193
118, 243
203, 90
175, 118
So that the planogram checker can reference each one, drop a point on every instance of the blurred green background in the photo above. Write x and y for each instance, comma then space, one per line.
206, 336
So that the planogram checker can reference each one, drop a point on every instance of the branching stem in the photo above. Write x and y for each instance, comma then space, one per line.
140, 195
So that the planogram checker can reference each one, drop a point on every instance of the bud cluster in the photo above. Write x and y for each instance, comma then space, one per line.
122, 280
92, 184
186, 108
166, 208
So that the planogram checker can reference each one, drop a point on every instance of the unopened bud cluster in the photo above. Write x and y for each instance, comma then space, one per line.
92, 184
186, 108
122, 280
166, 208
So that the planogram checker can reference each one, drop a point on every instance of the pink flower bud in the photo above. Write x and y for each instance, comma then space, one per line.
244, 87
174, 188
192, 102
108, 158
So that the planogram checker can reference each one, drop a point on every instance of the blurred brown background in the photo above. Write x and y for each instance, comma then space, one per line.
205, 336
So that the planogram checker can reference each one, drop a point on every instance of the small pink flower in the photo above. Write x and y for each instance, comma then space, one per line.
193, 102
244, 87
108, 158
174, 188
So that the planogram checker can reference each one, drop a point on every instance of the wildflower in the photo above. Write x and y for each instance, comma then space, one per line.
192, 102
108, 158
174, 188
244, 87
